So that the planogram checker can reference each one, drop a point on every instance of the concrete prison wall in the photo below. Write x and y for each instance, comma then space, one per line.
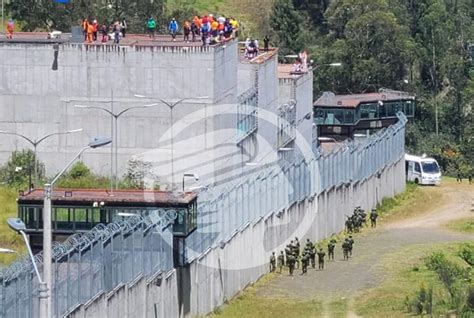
223, 271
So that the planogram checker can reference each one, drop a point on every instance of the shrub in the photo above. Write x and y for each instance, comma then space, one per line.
17, 170
466, 252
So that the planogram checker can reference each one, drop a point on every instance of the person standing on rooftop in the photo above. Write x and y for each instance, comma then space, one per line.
186, 31
123, 26
10, 28
90, 32
151, 26
95, 27
85, 25
173, 28
117, 29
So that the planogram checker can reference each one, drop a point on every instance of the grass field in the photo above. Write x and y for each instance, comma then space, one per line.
463, 225
249, 305
406, 273
413, 201
8, 238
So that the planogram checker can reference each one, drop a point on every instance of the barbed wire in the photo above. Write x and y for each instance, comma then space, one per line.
77, 242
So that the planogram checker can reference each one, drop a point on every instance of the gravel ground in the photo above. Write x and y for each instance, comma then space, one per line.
345, 278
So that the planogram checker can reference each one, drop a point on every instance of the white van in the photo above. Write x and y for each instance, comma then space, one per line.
422, 170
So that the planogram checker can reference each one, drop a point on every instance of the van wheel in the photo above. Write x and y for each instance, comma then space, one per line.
416, 181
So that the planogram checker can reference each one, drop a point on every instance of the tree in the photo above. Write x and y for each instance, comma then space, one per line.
80, 176
138, 173
358, 33
18, 171
50, 15
315, 10
286, 24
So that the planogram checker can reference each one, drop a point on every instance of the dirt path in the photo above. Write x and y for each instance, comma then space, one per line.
345, 278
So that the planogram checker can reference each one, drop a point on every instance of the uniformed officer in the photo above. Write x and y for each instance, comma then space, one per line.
291, 263
373, 218
272, 262
321, 255
312, 255
351, 244
297, 251
304, 262
281, 261
287, 252
345, 249
331, 246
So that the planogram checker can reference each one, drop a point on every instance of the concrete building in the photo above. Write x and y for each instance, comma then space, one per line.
224, 123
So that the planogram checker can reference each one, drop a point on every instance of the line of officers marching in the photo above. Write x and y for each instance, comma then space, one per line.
292, 257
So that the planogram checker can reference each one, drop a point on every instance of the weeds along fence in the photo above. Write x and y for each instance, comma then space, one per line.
94, 267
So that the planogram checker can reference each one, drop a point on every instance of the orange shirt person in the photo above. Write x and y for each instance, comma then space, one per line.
90, 32
10, 28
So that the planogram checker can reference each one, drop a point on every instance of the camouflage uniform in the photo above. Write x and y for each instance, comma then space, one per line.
373, 218
331, 247
281, 261
291, 263
272, 262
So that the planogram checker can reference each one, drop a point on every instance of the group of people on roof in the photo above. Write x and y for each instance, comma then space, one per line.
115, 31
208, 28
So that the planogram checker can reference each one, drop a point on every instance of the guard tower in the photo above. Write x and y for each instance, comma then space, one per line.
339, 117
80, 210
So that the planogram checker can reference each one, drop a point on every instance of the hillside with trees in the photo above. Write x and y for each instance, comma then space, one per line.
420, 46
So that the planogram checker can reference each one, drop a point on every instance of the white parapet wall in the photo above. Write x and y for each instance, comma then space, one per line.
36, 101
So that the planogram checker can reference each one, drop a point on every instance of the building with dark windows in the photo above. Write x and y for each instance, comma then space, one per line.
80, 210
339, 117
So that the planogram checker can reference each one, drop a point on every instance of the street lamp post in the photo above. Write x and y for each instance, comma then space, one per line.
18, 226
115, 117
7, 251
190, 175
3, 19
171, 107
36, 142
47, 235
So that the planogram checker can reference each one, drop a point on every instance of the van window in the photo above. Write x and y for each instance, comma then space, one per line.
417, 167
430, 167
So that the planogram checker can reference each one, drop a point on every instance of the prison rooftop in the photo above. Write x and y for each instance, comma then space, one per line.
329, 99
261, 57
110, 198
129, 40
286, 71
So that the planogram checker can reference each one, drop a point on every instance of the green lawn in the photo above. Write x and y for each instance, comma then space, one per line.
249, 305
406, 273
8, 238
463, 225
